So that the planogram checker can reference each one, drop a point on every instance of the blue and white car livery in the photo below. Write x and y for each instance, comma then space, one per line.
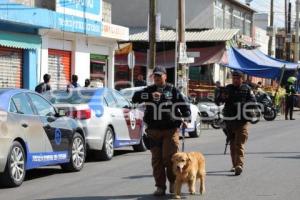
32, 134
108, 119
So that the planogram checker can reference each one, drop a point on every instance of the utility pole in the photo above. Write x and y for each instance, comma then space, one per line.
289, 36
285, 16
272, 27
152, 38
182, 68
296, 58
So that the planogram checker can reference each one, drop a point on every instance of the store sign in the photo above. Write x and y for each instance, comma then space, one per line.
80, 16
90, 9
78, 25
115, 31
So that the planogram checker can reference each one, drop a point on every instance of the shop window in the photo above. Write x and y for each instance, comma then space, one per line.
98, 67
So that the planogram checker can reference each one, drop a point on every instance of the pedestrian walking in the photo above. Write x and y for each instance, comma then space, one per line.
217, 90
290, 92
238, 99
165, 106
44, 86
73, 83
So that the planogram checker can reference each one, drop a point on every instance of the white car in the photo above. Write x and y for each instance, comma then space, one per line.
108, 119
194, 127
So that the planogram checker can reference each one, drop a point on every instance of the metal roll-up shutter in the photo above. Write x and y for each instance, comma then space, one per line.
59, 63
11, 65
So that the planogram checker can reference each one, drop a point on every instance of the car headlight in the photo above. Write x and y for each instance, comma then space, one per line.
213, 109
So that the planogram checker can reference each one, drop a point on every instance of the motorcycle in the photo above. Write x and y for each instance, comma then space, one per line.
267, 107
211, 114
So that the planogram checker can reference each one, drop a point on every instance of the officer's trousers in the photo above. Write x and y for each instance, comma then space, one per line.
166, 143
238, 131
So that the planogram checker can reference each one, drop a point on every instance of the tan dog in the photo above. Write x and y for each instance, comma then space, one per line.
188, 167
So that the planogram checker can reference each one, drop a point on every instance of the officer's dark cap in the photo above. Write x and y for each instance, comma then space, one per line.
237, 73
159, 70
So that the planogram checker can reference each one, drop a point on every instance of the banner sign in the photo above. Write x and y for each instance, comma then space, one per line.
81, 16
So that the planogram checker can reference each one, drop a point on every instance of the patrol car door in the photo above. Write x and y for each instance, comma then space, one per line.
59, 135
128, 119
29, 125
113, 115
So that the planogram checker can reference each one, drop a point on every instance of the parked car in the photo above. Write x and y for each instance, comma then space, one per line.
108, 119
194, 127
33, 134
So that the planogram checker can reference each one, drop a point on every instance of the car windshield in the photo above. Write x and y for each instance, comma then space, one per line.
129, 92
73, 97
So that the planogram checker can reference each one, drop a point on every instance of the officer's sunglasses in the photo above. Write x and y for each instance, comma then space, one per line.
157, 75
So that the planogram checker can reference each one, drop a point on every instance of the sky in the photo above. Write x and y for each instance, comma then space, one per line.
264, 6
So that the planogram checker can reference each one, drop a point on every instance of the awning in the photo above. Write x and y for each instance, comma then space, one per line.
18, 40
213, 35
208, 55
255, 63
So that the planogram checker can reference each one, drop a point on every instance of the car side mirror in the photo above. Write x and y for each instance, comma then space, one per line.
51, 119
61, 112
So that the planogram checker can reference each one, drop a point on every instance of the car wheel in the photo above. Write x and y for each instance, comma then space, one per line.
140, 147
78, 154
197, 132
15, 172
107, 151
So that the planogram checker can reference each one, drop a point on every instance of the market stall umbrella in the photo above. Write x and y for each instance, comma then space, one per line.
255, 63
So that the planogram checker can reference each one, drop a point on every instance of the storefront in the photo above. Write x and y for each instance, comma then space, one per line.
86, 51
20, 44
59, 67
18, 60
98, 68
61, 44
11, 65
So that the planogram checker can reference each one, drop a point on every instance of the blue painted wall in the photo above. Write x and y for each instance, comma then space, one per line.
23, 15
30, 69
43, 18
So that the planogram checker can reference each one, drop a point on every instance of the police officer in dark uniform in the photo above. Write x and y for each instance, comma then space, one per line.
238, 99
165, 109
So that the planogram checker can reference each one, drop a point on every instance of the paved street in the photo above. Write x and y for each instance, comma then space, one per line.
271, 172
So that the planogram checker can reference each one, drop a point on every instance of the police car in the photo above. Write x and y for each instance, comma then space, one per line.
32, 134
194, 127
108, 119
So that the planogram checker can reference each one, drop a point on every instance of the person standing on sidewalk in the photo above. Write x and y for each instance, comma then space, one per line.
74, 83
44, 86
140, 81
165, 106
87, 83
238, 99
290, 92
